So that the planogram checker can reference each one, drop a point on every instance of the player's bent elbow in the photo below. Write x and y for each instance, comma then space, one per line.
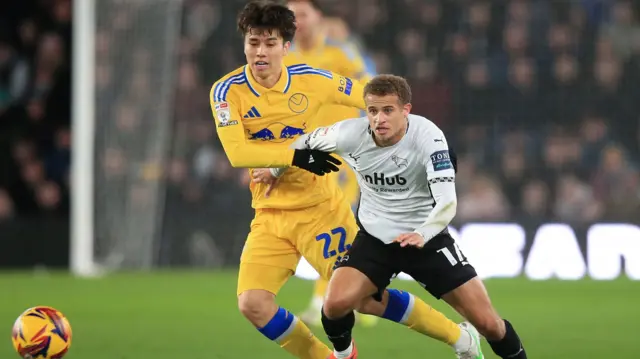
238, 159
234, 155
237, 162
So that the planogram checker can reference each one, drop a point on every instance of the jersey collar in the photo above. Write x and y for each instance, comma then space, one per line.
283, 84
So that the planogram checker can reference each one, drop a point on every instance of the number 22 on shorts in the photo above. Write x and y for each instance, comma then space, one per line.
327, 238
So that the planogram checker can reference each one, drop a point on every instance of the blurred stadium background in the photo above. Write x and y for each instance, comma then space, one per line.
540, 99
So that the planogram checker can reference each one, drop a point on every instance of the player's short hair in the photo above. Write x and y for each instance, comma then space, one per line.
383, 85
268, 16
314, 3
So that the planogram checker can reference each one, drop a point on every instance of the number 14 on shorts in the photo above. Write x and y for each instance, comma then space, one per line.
455, 257
338, 233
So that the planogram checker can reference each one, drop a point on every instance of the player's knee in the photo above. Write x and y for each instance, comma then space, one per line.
337, 306
371, 306
490, 326
258, 306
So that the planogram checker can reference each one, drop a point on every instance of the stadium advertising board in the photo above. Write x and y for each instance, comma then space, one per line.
604, 251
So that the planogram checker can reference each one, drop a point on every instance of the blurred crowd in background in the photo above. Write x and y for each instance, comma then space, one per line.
538, 97
35, 76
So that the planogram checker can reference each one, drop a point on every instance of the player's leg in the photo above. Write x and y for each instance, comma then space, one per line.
312, 314
445, 272
267, 262
324, 243
347, 289
409, 310
472, 301
405, 308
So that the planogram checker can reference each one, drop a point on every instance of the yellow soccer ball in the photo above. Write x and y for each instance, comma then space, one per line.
41, 333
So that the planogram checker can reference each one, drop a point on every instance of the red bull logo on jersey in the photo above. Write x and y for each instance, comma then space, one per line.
277, 132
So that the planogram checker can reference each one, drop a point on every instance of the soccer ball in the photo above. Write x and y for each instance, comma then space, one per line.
41, 333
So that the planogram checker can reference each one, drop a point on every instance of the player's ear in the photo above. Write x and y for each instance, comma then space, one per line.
287, 46
406, 109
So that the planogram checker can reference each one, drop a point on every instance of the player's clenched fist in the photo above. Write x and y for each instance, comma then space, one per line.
316, 162
411, 239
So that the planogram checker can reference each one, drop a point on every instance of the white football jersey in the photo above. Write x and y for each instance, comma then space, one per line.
395, 181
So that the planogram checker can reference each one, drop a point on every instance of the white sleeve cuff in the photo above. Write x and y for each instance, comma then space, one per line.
277, 172
444, 193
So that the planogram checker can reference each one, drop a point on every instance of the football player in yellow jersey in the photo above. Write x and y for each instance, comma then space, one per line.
314, 47
259, 109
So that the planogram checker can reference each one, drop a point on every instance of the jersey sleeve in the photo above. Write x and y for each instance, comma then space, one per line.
434, 150
239, 150
342, 90
327, 139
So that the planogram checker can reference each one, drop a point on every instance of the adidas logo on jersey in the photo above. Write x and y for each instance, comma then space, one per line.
253, 113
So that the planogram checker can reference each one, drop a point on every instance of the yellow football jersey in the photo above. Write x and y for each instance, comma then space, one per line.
256, 126
345, 59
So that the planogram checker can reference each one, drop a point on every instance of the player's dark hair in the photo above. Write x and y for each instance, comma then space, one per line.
314, 3
267, 16
383, 85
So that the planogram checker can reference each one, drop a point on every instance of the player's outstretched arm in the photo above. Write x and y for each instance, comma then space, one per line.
441, 177
325, 139
241, 153
318, 144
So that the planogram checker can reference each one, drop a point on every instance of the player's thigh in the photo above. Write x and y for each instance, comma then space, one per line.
472, 301
325, 239
440, 266
267, 260
363, 272
347, 289
372, 259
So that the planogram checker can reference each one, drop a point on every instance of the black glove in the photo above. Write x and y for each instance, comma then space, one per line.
454, 159
314, 161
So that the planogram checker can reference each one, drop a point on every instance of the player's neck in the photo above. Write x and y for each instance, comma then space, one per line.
389, 142
269, 81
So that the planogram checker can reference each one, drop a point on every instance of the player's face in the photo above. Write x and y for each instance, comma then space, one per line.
264, 51
308, 18
387, 118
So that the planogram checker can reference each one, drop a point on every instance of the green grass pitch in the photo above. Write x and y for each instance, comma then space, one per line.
169, 315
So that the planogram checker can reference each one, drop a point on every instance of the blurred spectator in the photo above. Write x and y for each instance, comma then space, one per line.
623, 29
35, 108
535, 201
6, 206
575, 201
483, 202
616, 185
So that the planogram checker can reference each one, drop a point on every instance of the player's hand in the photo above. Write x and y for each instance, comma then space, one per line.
264, 175
411, 239
317, 162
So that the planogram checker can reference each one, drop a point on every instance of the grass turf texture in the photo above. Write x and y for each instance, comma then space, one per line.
168, 315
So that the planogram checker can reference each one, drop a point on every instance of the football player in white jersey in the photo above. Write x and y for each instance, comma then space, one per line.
408, 199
